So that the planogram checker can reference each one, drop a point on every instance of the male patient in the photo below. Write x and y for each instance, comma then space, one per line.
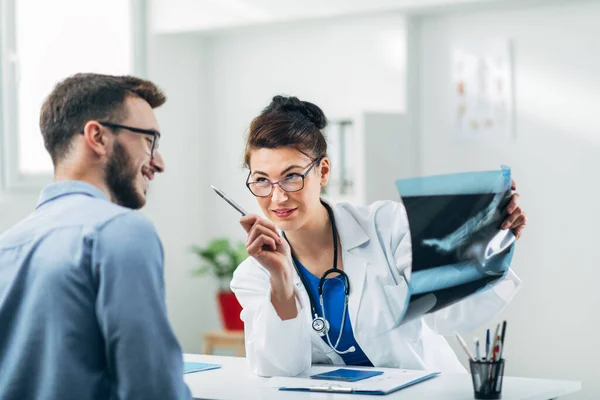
82, 308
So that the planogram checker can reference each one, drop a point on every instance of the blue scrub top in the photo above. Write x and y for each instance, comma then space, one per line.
333, 300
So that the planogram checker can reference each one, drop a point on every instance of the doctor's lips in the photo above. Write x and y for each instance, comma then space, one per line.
284, 212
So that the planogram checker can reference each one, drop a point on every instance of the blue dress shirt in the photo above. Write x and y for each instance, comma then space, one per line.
333, 302
82, 303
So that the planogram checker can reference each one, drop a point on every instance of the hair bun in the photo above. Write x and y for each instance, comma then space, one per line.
292, 104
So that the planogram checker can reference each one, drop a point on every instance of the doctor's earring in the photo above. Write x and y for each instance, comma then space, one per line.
320, 325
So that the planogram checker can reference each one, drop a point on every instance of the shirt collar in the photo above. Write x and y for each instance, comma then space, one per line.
64, 188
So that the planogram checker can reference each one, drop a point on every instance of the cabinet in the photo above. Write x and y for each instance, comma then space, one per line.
368, 153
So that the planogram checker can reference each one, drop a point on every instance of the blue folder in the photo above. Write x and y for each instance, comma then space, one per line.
189, 367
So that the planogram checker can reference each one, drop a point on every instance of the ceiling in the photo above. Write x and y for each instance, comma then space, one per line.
169, 16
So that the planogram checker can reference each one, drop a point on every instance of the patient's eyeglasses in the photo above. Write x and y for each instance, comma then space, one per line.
154, 133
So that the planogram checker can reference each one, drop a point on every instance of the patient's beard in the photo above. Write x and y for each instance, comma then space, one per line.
120, 178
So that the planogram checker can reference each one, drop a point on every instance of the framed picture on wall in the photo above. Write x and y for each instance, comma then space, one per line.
482, 85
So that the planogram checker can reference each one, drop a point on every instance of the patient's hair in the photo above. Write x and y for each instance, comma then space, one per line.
288, 122
84, 97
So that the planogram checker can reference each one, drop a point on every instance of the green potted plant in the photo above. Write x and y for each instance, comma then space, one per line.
220, 258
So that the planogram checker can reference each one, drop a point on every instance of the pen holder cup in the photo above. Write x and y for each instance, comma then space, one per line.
487, 378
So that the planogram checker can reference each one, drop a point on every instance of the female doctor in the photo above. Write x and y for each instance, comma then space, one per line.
331, 286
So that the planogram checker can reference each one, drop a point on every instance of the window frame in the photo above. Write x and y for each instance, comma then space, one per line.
11, 178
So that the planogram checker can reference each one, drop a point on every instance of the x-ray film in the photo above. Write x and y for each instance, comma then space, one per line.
458, 247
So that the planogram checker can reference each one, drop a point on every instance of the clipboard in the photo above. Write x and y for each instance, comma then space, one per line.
388, 382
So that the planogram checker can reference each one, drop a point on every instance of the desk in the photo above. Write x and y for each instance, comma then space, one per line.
228, 339
235, 381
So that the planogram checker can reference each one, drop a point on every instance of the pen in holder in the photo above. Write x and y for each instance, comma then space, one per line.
487, 378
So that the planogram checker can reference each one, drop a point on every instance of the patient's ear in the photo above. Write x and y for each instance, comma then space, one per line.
95, 138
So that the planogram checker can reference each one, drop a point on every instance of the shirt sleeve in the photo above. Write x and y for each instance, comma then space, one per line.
273, 347
142, 354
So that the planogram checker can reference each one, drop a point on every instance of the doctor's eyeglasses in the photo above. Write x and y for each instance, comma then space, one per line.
291, 183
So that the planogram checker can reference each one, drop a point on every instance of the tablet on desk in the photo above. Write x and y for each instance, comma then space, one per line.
346, 375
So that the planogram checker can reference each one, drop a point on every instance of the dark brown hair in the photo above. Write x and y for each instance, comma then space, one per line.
288, 122
85, 97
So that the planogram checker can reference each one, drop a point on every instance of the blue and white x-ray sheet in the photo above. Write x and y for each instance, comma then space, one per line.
458, 247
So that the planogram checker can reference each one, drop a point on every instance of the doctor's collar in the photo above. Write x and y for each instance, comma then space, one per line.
351, 233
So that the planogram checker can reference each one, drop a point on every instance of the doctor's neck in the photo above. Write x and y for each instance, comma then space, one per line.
313, 236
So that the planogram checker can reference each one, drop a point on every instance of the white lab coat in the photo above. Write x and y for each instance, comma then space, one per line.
377, 255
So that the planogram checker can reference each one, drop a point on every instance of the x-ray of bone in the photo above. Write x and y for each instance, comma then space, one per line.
458, 247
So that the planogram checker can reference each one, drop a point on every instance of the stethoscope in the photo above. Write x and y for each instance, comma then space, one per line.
320, 324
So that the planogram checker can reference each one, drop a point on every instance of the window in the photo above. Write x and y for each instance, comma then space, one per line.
44, 42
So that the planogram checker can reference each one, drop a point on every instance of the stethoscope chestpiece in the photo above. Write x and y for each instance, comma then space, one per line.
320, 325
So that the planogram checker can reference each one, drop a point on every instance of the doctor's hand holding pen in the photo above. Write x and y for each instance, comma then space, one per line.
273, 252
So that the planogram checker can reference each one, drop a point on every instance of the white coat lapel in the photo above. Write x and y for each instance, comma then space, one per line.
355, 267
352, 237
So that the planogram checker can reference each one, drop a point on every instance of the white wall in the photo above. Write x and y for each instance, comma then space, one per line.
176, 203
178, 16
344, 65
216, 84
553, 322
15, 206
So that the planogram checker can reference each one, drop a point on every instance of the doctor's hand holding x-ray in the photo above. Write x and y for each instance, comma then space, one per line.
516, 219
332, 286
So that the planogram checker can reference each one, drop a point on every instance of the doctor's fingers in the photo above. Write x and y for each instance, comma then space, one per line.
258, 230
250, 220
247, 221
513, 184
518, 231
260, 244
513, 204
518, 217
519, 226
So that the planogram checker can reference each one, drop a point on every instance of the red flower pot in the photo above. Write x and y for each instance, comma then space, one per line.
230, 310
